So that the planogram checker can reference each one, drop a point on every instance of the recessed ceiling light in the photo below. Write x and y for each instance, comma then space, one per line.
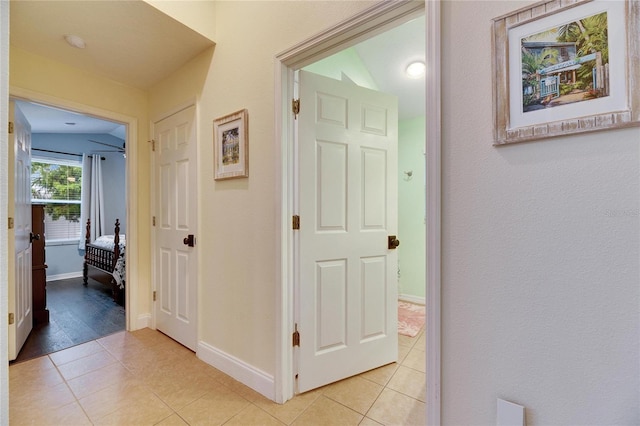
416, 69
75, 41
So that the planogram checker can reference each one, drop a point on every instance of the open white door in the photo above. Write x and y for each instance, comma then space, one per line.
347, 274
20, 300
176, 220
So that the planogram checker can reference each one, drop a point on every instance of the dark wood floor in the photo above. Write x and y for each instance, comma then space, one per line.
77, 314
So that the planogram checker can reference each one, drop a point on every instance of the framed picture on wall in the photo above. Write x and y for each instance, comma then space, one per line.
231, 146
563, 68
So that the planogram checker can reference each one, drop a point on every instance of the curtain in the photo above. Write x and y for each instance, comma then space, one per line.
92, 198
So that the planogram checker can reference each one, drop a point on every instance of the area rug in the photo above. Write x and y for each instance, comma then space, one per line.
410, 318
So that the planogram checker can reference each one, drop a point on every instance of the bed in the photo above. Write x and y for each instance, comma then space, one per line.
104, 261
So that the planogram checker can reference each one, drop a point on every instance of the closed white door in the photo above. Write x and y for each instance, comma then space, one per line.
176, 227
347, 287
20, 290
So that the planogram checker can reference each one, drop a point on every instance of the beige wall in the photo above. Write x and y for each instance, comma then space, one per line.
50, 79
540, 249
237, 220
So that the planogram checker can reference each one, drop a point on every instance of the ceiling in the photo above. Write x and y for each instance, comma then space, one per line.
147, 46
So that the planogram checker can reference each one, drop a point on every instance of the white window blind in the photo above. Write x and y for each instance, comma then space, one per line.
57, 185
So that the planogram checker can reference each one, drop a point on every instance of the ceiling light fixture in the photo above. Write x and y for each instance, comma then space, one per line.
75, 41
416, 69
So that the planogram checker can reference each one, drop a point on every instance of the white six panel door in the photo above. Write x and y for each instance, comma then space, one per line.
176, 219
347, 141
20, 294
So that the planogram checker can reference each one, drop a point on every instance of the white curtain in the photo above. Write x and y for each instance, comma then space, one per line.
92, 198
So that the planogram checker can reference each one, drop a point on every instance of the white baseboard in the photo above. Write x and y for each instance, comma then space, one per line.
256, 379
412, 299
64, 276
143, 321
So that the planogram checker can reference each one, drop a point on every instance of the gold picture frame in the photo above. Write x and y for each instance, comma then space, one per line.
231, 146
527, 91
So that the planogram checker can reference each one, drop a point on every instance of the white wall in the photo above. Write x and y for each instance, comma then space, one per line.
540, 249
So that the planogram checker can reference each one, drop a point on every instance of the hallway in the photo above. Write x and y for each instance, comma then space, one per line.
145, 378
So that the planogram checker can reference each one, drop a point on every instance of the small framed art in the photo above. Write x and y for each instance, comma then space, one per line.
566, 67
231, 146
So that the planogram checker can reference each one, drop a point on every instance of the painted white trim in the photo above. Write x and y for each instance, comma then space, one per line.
245, 373
364, 25
131, 123
434, 211
412, 299
143, 321
4, 206
65, 276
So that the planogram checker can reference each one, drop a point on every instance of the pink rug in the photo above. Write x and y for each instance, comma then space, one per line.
410, 318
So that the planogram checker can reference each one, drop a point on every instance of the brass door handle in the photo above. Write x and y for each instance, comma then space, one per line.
393, 242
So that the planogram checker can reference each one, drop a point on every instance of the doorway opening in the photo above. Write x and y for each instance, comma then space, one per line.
370, 22
74, 309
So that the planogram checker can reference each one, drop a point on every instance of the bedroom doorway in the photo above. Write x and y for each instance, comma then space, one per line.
60, 136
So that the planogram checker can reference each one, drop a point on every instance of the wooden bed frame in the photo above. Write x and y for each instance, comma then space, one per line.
102, 262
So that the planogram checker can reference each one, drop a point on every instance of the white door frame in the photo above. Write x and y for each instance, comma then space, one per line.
131, 123
367, 23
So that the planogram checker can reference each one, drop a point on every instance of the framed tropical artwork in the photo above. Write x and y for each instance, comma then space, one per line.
231, 146
566, 67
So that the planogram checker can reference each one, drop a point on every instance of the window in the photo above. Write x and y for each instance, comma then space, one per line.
58, 185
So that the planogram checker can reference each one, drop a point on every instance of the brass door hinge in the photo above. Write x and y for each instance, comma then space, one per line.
153, 144
295, 221
11, 319
10, 127
154, 295
296, 336
154, 221
295, 107
10, 224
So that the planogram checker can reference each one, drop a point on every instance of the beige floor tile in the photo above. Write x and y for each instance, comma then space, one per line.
291, 409
416, 359
172, 420
403, 351
241, 389
87, 364
356, 393
394, 408
406, 340
214, 407
368, 422
33, 382
325, 412
178, 392
114, 398
76, 352
421, 343
409, 382
70, 414
253, 416
97, 380
381, 375
48, 398
146, 411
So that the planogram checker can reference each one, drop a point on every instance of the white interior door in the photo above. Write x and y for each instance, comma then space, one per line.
347, 286
176, 220
20, 299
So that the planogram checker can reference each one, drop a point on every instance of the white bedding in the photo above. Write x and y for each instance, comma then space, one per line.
106, 242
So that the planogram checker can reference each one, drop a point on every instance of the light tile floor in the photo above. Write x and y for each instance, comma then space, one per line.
145, 378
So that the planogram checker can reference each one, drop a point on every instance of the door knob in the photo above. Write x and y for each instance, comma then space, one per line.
393, 242
190, 240
33, 237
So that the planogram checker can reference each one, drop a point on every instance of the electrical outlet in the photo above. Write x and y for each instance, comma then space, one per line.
509, 414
